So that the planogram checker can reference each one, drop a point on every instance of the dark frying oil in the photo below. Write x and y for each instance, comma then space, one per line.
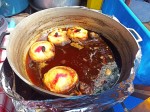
87, 62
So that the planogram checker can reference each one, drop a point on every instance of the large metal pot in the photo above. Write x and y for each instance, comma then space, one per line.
44, 4
23, 36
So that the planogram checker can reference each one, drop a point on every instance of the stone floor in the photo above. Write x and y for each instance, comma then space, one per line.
147, 25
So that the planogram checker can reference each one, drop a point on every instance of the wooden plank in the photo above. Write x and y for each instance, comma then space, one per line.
141, 91
143, 107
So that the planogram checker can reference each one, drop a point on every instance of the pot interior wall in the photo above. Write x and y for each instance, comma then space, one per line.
24, 35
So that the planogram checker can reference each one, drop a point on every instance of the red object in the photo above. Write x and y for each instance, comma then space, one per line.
38, 49
58, 76
6, 104
127, 2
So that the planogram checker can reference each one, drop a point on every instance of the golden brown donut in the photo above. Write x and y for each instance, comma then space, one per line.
58, 37
42, 51
77, 34
60, 79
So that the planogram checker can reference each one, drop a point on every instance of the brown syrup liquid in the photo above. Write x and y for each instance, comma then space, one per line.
87, 62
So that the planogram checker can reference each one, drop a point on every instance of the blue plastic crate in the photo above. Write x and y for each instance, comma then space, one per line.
123, 13
120, 10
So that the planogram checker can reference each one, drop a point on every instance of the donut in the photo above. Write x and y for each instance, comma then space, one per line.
60, 79
42, 51
58, 37
77, 34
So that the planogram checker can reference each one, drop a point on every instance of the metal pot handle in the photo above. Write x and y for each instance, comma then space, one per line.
1, 39
135, 34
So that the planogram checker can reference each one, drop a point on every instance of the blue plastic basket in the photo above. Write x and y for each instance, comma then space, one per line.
123, 13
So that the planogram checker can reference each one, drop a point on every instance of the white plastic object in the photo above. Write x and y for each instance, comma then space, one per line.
135, 34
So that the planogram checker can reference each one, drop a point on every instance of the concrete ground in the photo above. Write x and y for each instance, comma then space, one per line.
142, 10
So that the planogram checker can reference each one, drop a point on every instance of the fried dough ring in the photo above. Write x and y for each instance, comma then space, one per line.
58, 37
42, 51
60, 79
77, 34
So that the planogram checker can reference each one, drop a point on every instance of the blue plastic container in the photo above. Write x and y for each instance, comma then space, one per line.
120, 10
12, 7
